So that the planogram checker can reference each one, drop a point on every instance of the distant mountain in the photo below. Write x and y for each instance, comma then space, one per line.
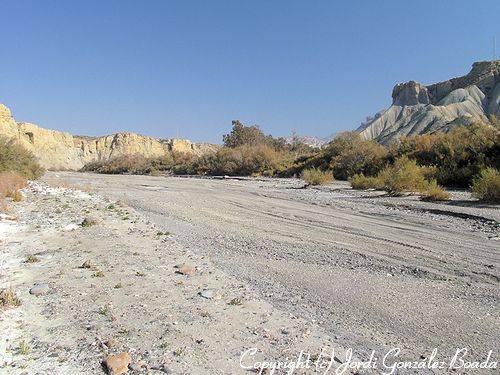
308, 140
418, 109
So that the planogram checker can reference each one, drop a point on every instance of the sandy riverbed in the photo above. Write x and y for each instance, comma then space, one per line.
313, 267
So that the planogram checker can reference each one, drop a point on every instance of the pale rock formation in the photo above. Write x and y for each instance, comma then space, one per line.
57, 150
418, 109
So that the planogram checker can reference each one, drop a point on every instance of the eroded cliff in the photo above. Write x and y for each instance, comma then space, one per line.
418, 109
57, 150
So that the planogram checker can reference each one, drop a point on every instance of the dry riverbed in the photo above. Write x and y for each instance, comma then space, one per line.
94, 278
184, 275
374, 272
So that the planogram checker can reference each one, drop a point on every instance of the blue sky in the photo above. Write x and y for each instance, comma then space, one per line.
186, 67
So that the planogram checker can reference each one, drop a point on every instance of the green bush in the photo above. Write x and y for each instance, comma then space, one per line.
315, 176
15, 158
239, 161
131, 164
402, 176
486, 187
457, 156
346, 155
362, 182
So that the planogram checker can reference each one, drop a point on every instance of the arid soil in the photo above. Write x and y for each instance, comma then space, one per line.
285, 268
101, 281
374, 272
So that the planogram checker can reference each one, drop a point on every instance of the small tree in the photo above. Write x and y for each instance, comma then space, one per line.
243, 135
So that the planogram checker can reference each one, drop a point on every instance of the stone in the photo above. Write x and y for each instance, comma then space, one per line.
70, 227
40, 289
87, 264
111, 343
137, 366
186, 269
210, 294
118, 364
162, 368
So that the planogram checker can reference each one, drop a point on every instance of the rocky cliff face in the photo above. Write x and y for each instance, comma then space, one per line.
418, 109
62, 151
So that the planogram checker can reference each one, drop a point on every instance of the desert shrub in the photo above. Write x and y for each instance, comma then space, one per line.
242, 160
247, 151
350, 155
457, 156
10, 184
346, 155
315, 176
486, 187
131, 164
15, 158
402, 176
433, 192
362, 182
259, 160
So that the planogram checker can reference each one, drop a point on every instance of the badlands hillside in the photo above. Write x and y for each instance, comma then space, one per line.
418, 109
62, 151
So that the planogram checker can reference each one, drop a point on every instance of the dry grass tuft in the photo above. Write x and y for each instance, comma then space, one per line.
32, 259
88, 222
9, 299
98, 273
24, 348
10, 184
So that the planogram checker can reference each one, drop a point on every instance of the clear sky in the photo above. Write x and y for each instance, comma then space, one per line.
189, 67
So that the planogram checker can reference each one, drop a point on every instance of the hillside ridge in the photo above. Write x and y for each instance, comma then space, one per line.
58, 150
418, 109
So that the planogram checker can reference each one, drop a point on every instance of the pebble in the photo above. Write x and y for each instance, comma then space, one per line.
210, 294
207, 293
87, 264
118, 364
136, 367
70, 227
186, 269
111, 343
40, 289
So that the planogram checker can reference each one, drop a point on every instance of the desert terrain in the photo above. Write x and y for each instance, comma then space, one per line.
95, 278
290, 268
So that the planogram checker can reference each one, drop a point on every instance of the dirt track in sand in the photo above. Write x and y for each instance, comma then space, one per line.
374, 271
